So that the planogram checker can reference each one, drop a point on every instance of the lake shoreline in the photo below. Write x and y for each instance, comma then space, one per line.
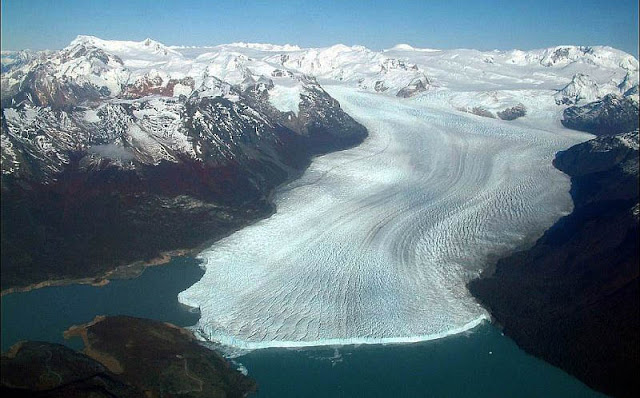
128, 271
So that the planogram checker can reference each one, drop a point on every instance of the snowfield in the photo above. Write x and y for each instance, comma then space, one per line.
375, 244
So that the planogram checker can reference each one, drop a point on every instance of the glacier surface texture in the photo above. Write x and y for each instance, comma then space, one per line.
376, 244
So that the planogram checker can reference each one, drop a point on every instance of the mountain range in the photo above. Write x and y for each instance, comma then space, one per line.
114, 152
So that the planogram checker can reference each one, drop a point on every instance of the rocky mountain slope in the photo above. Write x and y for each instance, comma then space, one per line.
572, 299
610, 115
99, 171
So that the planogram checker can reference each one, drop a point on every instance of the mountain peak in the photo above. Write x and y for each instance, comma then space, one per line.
121, 46
581, 87
84, 40
402, 47
149, 42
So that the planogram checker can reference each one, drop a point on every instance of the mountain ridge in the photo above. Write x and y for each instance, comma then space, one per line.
572, 299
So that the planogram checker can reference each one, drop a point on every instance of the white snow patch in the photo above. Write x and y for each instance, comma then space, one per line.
630, 140
91, 116
285, 98
181, 89
11, 114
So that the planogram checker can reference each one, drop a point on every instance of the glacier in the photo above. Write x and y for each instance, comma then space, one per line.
375, 244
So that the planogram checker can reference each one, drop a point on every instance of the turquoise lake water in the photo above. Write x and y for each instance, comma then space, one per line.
479, 363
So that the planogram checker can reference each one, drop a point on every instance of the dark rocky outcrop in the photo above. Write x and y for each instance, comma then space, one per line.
123, 357
610, 115
513, 113
480, 111
573, 298
416, 86
631, 91
380, 87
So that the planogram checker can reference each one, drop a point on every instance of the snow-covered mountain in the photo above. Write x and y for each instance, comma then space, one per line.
609, 115
86, 82
144, 98
159, 136
229, 122
597, 70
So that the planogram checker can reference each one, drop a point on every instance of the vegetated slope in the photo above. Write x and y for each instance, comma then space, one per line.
40, 369
572, 299
123, 357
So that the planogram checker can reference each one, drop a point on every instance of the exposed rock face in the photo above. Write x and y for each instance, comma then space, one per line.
324, 123
157, 85
416, 86
123, 357
380, 87
480, 111
632, 92
611, 115
281, 73
513, 113
389, 64
627, 83
572, 299
98, 171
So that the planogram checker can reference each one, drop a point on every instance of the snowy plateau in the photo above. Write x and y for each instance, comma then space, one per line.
372, 244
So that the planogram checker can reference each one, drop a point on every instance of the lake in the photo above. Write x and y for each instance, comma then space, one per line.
480, 363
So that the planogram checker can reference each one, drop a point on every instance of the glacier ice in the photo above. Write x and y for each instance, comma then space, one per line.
376, 244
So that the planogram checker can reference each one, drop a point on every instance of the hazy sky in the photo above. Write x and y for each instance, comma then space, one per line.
484, 25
